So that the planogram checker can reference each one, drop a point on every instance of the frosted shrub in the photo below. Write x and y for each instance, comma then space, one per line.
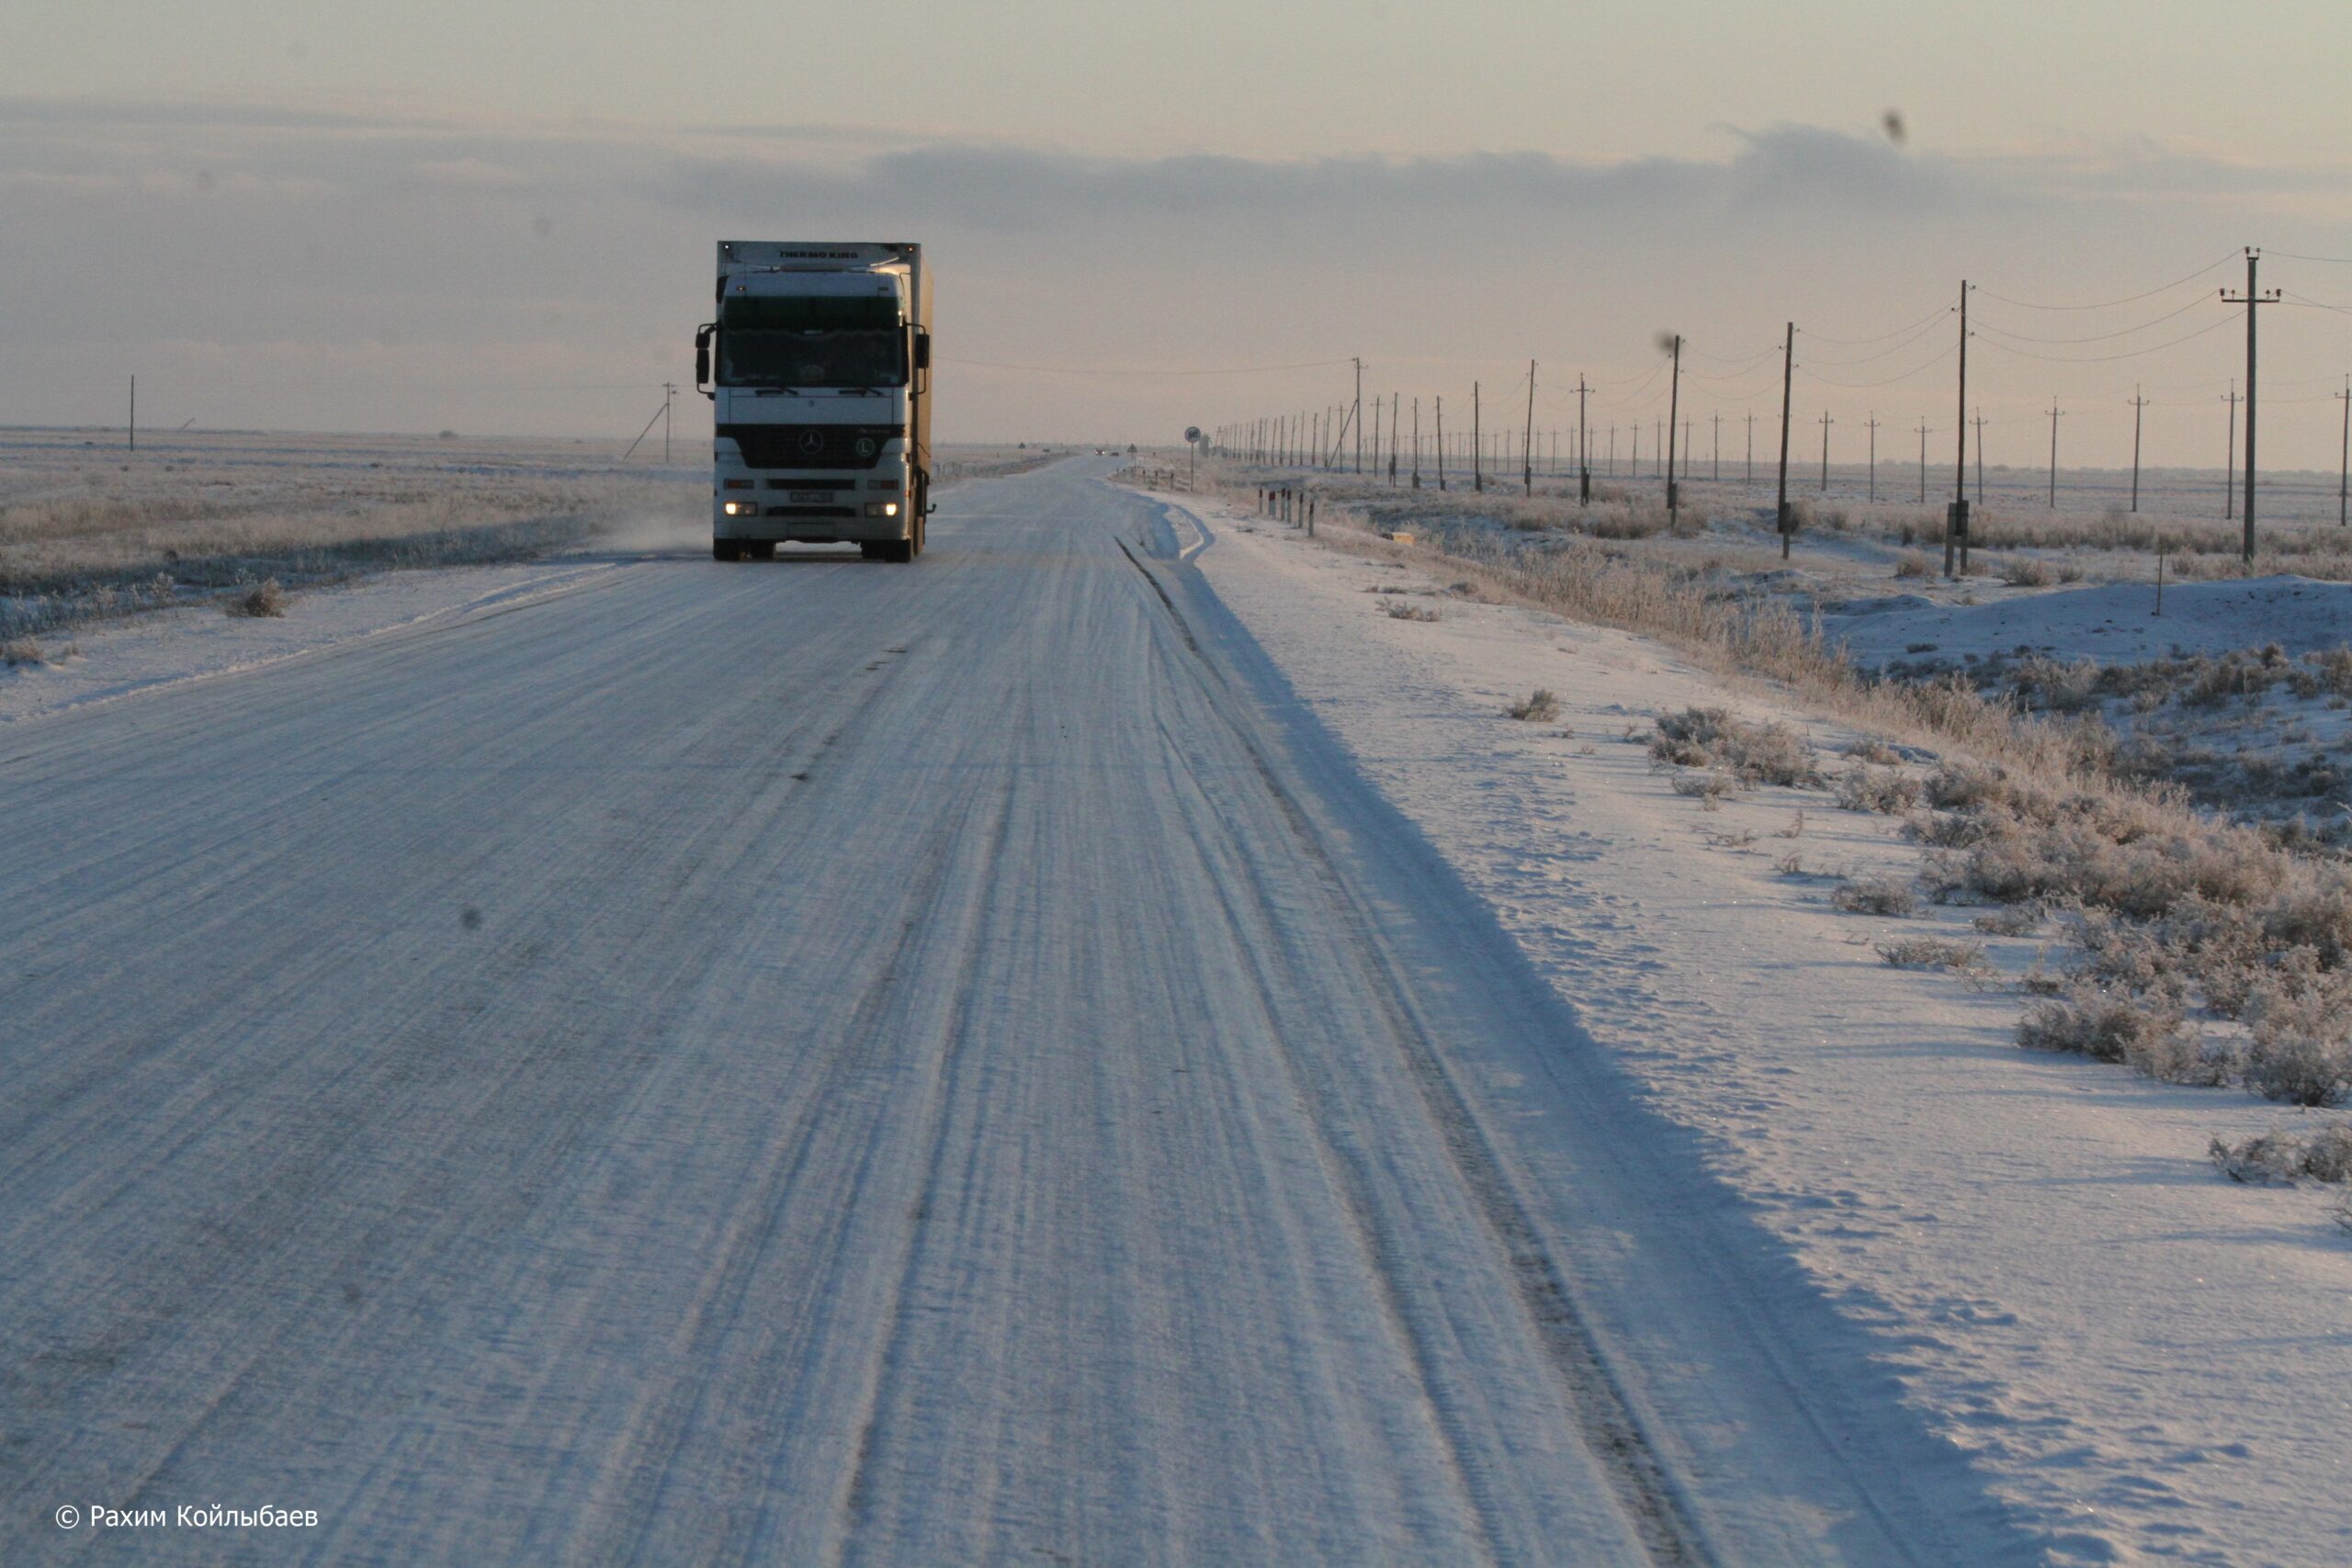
1875, 896
1539, 707
1769, 753
2107, 1026
2279, 1157
1932, 953
2301, 1051
263, 599
1881, 790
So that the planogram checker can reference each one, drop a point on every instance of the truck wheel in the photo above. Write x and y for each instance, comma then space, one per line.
874, 550
726, 550
901, 551
759, 550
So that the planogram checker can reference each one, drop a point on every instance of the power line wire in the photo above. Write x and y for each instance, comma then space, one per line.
2097, 337
2104, 358
1865, 342
2111, 304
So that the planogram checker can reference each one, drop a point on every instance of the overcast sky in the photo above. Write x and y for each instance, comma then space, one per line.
498, 218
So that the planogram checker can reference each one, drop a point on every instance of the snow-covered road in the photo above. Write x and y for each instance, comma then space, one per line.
835, 1061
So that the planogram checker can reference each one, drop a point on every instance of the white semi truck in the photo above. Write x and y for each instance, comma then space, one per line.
819, 364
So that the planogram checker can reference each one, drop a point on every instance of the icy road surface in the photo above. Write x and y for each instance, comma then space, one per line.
833, 1062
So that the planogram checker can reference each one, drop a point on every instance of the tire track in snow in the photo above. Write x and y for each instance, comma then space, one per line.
1613, 1430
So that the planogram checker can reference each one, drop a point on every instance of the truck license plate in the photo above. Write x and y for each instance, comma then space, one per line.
803, 495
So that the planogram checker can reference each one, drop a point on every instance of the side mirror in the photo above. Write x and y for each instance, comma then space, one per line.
922, 349
702, 359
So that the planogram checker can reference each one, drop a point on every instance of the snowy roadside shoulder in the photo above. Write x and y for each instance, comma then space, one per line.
2139, 1352
108, 660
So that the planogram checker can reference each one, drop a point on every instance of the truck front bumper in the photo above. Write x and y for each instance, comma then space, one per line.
869, 505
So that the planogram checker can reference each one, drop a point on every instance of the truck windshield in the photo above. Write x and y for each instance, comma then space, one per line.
811, 341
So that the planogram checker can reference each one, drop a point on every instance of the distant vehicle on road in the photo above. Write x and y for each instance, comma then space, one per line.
819, 364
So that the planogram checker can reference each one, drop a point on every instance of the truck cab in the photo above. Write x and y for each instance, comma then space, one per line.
818, 363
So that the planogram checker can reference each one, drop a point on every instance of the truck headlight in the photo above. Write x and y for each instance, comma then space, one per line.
881, 508
742, 509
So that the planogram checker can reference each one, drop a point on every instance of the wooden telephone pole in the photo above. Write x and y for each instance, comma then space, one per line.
2344, 475
2138, 404
1673, 412
2054, 412
1826, 422
1718, 418
1416, 443
1979, 422
1355, 415
1956, 515
1782, 514
1477, 445
1872, 424
1527, 441
2252, 298
1440, 443
2229, 474
1584, 446
1924, 433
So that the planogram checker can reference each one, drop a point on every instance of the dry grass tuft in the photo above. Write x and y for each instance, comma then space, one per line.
1875, 896
2280, 1157
1539, 707
1933, 953
265, 599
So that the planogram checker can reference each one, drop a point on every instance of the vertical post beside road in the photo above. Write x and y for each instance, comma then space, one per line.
1673, 412
1786, 519
2253, 298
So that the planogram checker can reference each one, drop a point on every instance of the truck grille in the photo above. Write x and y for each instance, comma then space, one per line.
809, 445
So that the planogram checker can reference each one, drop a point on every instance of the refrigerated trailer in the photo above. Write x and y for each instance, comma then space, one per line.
817, 361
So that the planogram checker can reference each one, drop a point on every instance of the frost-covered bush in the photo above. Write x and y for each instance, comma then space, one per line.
2301, 1048
1539, 707
2281, 1156
1769, 753
2105, 1025
1883, 790
1932, 953
1875, 896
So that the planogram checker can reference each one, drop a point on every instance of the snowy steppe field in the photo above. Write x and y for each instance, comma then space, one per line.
1847, 1272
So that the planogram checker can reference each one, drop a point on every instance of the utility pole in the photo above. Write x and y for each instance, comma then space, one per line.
1392, 401
1376, 433
1873, 430
1826, 422
669, 392
1718, 418
1584, 442
2138, 404
1782, 514
1956, 517
1355, 415
1673, 412
1527, 443
1979, 422
1416, 443
134, 414
1924, 433
1441, 444
1750, 480
2229, 474
2054, 412
1477, 445
2253, 298
2343, 475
